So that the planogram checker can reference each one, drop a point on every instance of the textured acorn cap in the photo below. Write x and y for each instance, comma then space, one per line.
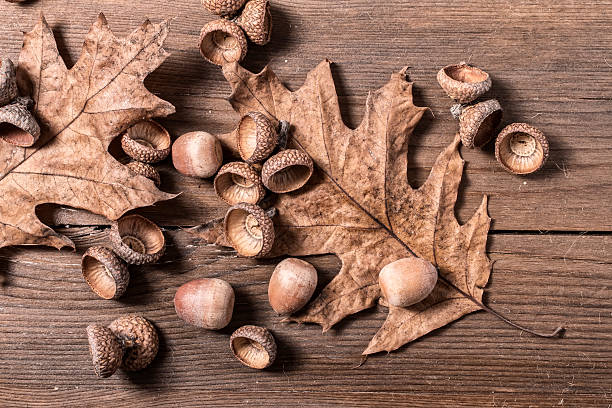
256, 137
104, 272
478, 122
139, 340
146, 141
238, 182
222, 41
253, 346
17, 124
256, 21
145, 170
521, 149
105, 348
286, 171
8, 82
249, 230
223, 7
137, 240
464, 83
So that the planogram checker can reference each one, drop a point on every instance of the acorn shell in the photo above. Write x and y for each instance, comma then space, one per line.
288, 170
521, 148
253, 346
137, 240
407, 281
145, 170
478, 122
104, 272
238, 182
222, 41
256, 21
17, 124
147, 141
464, 83
105, 348
139, 340
206, 303
8, 82
223, 7
256, 137
249, 230
291, 285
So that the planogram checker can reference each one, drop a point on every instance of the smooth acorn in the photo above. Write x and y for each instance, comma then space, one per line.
291, 285
521, 148
249, 230
104, 272
477, 123
8, 82
464, 83
407, 281
197, 154
145, 170
223, 7
238, 182
139, 340
253, 346
17, 124
222, 42
256, 21
256, 137
137, 240
206, 303
147, 141
288, 170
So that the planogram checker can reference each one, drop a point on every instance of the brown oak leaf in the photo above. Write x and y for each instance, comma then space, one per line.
80, 110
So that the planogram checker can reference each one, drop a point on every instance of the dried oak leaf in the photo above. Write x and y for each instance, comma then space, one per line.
360, 206
80, 111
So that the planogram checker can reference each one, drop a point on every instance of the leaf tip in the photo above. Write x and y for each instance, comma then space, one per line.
101, 20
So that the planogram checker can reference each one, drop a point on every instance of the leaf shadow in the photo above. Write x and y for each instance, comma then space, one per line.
62, 45
351, 106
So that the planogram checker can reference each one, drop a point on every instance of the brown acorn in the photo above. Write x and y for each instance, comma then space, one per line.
521, 148
197, 154
206, 303
137, 240
222, 41
17, 124
291, 285
288, 170
146, 141
8, 82
106, 350
478, 122
256, 21
238, 182
223, 7
407, 281
138, 338
253, 346
464, 83
256, 137
104, 272
145, 170
249, 230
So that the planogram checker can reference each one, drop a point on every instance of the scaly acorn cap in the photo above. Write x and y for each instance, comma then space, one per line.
139, 340
464, 83
288, 170
478, 122
238, 182
256, 21
521, 148
104, 272
105, 348
17, 124
256, 137
146, 141
249, 230
253, 346
223, 7
146, 170
137, 240
8, 82
222, 41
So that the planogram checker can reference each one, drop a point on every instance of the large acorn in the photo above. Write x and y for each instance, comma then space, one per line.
238, 182
146, 141
206, 303
256, 137
17, 124
104, 272
521, 148
249, 230
138, 338
464, 83
222, 42
8, 82
407, 281
253, 346
286, 171
137, 240
291, 285
256, 21
197, 154
223, 7
477, 123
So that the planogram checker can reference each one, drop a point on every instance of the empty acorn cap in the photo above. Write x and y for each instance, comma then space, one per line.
256, 21
253, 346
464, 83
238, 182
146, 170
222, 41
256, 137
106, 351
478, 122
249, 230
17, 124
146, 141
286, 171
139, 340
104, 272
223, 7
8, 82
137, 240
521, 149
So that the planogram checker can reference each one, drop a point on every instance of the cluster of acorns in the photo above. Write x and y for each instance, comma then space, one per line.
520, 148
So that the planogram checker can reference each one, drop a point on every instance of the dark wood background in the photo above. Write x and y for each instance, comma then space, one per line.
551, 64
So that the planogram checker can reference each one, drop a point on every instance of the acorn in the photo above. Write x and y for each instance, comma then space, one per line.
197, 154
256, 137
407, 281
104, 272
222, 41
206, 303
238, 182
8, 82
137, 240
288, 170
253, 346
478, 122
17, 124
464, 83
256, 21
223, 7
106, 350
146, 141
145, 170
249, 230
291, 285
521, 148
139, 340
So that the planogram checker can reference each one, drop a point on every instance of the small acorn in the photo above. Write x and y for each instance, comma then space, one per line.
291, 285
146, 141
106, 350
253, 346
137, 240
222, 41
464, 83
478, 122
104, 272
8, 82
238, 182
256, 137
256, 21
407, 281
249, 230
288, 170
521, 148
223, 7
17, 124
206, 303
197, 154
139, 340
145, 170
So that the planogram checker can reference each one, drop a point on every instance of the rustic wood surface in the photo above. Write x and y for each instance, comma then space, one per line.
551, 64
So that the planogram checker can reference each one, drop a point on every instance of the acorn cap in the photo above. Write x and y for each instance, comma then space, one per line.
146, 141
146, 170
249, 230
521, 149
478, 122
286, 171
104, 272
464, 83
8, 82
256, 137
137, 240
222, 41
139, 340
237, 182
106, 351
223, 7
256, 21
17, 124
253, 346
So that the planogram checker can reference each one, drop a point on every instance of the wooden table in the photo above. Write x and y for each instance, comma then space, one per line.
551, 64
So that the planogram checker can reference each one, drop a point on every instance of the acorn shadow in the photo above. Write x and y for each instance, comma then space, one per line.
154, 374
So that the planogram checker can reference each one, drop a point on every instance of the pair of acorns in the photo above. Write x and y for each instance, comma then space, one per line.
520, 148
